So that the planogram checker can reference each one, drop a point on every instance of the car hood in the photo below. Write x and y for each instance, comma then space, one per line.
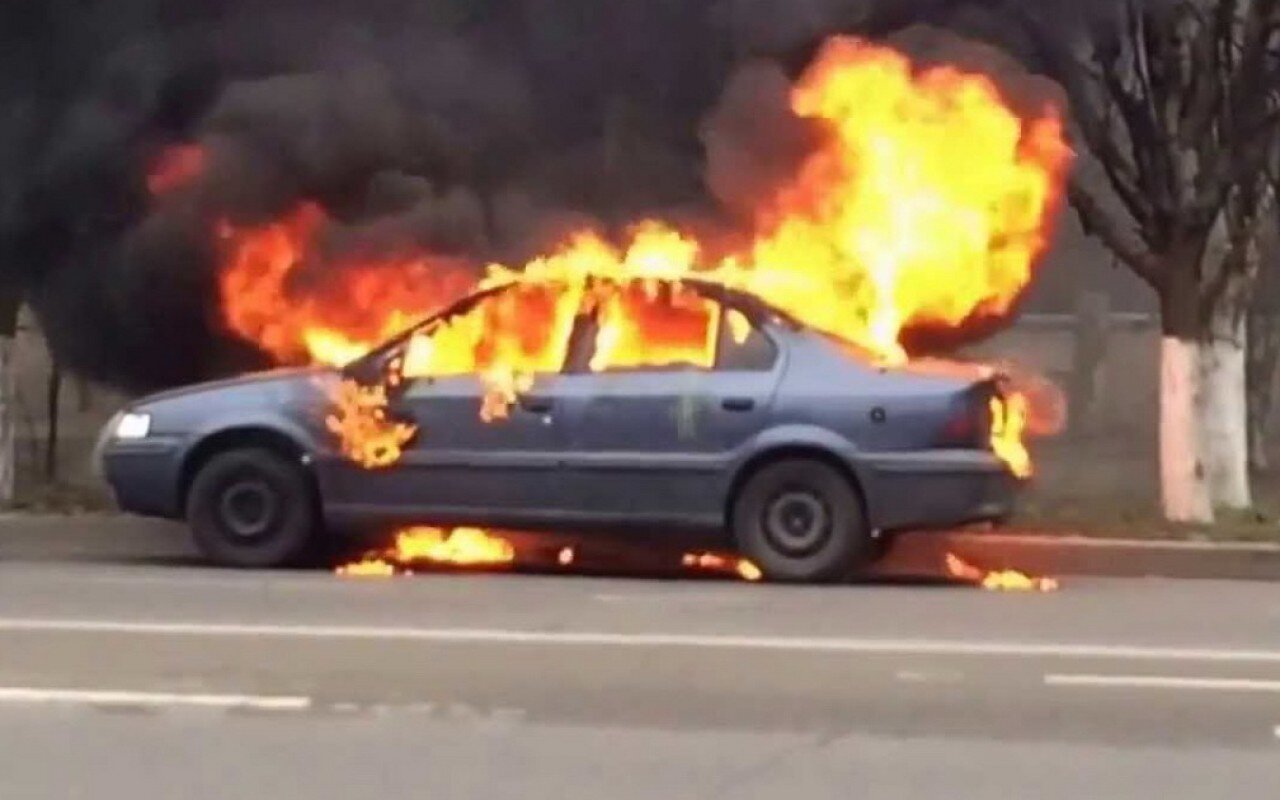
252, 382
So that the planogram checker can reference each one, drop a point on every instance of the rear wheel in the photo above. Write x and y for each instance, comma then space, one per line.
800, 520
252, 507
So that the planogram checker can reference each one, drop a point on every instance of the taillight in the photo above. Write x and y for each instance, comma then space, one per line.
969, 423
959, 430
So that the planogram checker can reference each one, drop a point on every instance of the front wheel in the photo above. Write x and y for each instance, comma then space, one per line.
801, 520
252, 508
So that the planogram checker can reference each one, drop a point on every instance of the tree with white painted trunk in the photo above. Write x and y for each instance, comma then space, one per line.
1263, 355
1177, 103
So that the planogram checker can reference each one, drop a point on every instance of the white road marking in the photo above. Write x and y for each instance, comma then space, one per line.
605, 639
117, 698
1164, 682
672, 599
928, 676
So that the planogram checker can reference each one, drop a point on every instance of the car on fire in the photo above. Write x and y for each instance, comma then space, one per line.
737, 424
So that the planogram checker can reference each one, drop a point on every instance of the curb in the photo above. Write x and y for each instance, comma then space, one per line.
1047, 554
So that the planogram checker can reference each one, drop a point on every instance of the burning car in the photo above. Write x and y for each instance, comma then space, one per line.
659, 407
753, 376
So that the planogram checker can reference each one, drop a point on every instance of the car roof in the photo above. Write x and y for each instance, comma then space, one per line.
744, 301
749, 304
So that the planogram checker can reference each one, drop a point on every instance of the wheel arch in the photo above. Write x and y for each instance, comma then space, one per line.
237, 437
776, 453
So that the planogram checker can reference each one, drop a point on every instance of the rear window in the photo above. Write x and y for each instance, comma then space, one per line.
653, 326
743, 347
666, 327
849, 348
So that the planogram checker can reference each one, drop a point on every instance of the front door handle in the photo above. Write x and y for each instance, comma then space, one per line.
737, 404
535, 404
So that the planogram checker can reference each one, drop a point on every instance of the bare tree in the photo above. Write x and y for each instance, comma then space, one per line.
53, 413
9, 305
1264, 335
1177, 103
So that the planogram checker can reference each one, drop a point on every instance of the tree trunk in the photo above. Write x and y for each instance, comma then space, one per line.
1227, 274
1184, 485
8, 450
1184, 491
53, 409
1263, 352
1224, 415
1263, 357
84, 395
1204, 443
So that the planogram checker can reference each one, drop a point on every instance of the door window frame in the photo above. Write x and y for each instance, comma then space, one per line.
586, 327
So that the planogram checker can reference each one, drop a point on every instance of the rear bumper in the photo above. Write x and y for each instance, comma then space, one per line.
143, 476
938, 489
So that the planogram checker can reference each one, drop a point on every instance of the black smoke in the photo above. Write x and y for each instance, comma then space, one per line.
475, 128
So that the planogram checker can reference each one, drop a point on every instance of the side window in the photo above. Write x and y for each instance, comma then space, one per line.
663, 326
743, 347
522, 329
644, 326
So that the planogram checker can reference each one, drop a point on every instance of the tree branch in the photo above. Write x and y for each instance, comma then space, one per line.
1095, 112
1200, 111
1141, 129
1097, 222
1245, 155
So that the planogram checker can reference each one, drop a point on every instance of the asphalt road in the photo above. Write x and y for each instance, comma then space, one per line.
132, 674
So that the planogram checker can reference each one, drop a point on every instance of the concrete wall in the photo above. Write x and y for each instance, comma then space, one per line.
1130, 377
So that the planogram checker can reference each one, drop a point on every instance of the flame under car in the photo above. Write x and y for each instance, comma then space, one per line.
652, 409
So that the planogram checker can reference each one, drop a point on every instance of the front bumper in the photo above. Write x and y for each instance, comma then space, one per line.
939, 489
143, 475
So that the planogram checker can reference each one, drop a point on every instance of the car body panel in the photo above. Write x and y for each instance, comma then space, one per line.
636, 437
457, 461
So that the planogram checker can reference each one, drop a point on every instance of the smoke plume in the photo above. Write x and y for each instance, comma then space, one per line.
475, 129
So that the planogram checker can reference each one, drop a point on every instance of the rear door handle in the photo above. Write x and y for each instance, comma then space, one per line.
737, 404
535, 405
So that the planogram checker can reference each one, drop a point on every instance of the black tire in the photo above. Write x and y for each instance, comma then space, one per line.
799, 519
252, 508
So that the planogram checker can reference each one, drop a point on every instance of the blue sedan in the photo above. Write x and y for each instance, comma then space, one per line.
790, 446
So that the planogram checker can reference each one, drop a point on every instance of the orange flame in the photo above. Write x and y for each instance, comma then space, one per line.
267, 299
926, 203
1008, 422
422, 545
176, 167
359, 421
368, 567
1007, 580
717, 562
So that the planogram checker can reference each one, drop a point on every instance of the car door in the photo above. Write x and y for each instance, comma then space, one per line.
474, 459
654, 429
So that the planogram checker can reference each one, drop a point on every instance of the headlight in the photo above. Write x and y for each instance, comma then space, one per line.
133, 426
